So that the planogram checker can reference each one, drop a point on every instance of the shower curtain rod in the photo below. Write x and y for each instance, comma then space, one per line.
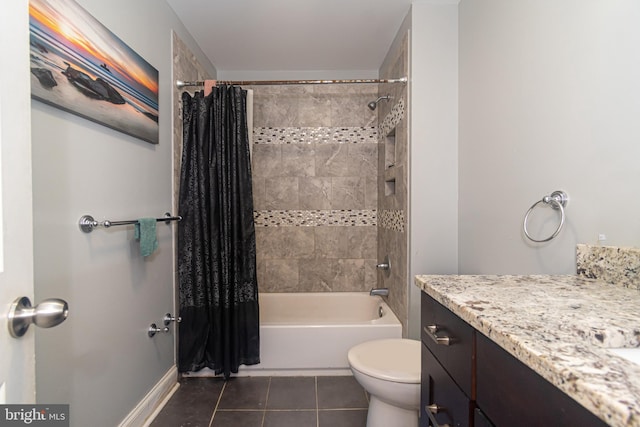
180, 84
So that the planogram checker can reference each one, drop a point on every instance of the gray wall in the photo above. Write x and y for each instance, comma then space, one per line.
433, 152
100, 360
509, 102
549, 99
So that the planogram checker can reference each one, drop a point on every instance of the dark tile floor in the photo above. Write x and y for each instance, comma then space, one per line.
266, 402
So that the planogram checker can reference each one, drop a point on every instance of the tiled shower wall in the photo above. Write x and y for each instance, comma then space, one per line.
186, 67
315, 166
393, 180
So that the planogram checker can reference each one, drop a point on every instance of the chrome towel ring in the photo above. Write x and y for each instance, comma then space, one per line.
558, 200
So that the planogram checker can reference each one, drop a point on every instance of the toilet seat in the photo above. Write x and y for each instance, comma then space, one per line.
396, 360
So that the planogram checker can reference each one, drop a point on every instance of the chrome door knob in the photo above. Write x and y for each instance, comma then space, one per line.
49, 313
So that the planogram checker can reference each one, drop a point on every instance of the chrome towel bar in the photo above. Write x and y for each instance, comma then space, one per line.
87, 223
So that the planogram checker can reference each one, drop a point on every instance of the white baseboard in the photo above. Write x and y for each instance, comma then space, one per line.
149, 407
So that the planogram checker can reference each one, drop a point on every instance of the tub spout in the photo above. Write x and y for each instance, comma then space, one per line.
383, 292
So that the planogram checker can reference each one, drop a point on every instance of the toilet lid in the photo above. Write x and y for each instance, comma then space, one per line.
396, 360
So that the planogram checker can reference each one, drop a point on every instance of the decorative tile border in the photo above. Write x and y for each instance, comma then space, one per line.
611, 264
311, 135
392, 119
392, 220
312, 218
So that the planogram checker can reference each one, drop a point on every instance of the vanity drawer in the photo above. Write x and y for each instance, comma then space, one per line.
443, 402
512, 394
455, 354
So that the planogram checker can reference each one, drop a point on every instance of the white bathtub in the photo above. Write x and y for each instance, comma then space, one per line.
311, 333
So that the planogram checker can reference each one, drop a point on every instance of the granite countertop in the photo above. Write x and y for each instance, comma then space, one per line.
561, 327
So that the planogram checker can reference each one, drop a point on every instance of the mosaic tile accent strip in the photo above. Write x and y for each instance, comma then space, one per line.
313, 218
311, 135
618, 266
392, 220
392, 119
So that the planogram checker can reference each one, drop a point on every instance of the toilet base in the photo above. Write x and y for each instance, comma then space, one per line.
381, 414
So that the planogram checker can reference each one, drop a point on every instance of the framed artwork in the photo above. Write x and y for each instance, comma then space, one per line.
80, 66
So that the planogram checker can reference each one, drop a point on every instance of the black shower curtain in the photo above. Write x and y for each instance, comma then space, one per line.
216, 237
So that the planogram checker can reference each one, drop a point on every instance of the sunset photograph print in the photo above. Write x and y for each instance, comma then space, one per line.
79, 66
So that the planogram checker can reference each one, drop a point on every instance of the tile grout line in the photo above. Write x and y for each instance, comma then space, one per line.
264, 412
215, 409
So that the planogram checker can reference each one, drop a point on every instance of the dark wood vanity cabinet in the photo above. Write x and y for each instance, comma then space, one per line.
447, 367
450, 340
480, 419
474, 382
444, 402
510, 393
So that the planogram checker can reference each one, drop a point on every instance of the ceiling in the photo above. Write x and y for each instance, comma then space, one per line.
267, 36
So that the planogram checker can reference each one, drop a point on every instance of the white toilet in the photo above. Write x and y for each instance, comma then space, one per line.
389, 370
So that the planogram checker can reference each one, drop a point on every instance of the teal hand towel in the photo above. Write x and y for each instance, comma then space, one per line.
145, 232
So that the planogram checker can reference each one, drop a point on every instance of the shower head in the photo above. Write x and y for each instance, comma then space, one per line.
373, 104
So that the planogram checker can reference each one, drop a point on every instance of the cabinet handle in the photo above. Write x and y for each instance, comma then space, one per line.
434, 409
431, 332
